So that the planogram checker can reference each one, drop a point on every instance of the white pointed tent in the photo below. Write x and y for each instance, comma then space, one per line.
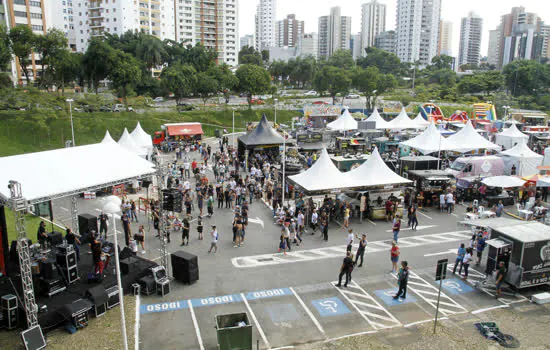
343, 123
108, 138
510, 136
402, 121
373, 172
469, 139
141, 138
525, 160
322, 176
431, 141
129, 144
420, 122
380, 122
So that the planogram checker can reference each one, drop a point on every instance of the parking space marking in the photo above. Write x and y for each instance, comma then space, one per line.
370, 309
456, 286
308, 311
386, 295
421, 213
260, 330
328, 307
428, 292
337, 251
196, 324
424, 321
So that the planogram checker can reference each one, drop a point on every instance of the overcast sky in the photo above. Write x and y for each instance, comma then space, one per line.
452, 10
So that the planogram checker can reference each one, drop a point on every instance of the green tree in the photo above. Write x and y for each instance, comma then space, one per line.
124, 73
303, 71
372, 84
179, 79
333, 80
225, 79
249, 55
341, 59
526, 77
206, 86
95, 62
386, 62
200, 57
253, 80
441, 62
51, 47
64, 68
22, 42
5, 53
151, 51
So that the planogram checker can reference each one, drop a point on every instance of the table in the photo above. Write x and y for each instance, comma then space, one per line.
470, 216
525, 214
487, 214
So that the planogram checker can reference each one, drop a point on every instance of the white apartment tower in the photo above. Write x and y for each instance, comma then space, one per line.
493, 51
470, 40
334, 33
418, 30
309, 45
265, 25
373, 22
445, 38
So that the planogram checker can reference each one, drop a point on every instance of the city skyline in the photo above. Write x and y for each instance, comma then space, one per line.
309, 11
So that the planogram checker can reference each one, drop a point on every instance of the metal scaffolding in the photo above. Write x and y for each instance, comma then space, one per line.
162, 217
17, 203
74, 215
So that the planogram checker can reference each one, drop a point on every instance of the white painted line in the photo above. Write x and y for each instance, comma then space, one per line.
196, 324
308, 311
260, 330
284, 347
418, 228
425, 321
489, 309
372, 222
421, 213
136, 326
350, 335
453, 214
450, 251
64, 209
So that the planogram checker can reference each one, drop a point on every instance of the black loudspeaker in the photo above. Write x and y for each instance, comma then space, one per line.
146, 183
33, 339
125, 253
9, 311
67, 260
99, 297
55, 238
47, 269
147, 285
171, 200
185, 267
87, 223
113, 297
128, 265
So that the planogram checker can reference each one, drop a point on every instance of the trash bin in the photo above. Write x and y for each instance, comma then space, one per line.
218, 133
234, 332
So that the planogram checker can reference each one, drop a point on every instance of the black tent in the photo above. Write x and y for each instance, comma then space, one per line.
263, 136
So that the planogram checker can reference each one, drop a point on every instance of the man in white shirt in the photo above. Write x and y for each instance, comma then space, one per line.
215, 238
441, 202
187, 168
314, 218
450, 202
300, 222
349, 240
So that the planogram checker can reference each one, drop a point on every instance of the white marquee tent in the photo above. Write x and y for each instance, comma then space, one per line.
343, 123
402, 121
420, 121
469, 139
127, 141
525, 160
510, 136
141, 138
108, 138
373, 172
323, 175
431, 141
88, 168
380, 122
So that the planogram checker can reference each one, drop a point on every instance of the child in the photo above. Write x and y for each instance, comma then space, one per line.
199, 229
282, 244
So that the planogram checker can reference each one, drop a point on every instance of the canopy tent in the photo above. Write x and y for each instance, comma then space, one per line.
543, 181
380, 122
525, 160
402, 121
343, 123
141, 138
420, 122
322, 176
373, 172
89, 168
503, 181
262, 135
184, 129
127, 141
108, 138
510, 136
469, 139
431, 141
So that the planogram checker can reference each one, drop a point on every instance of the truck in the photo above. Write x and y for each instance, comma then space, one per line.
174, 132
476, 167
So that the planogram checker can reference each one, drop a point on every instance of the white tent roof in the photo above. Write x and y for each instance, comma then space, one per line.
525, 160
127, 141
420, 121
503, 181
513, 131
521, 150
380, 122
431, 141
89, 167
373, 172
141, 138
402, 121
108, 138
470, 139
323, 175
343, 123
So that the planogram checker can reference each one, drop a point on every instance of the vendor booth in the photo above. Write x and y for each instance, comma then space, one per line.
417, 163
378, 120
429, 184
469, 139
522, 158
344, 123
319, 115
262, 137
511, 136
431, 141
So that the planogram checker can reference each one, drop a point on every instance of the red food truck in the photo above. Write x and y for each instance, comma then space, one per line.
178, 132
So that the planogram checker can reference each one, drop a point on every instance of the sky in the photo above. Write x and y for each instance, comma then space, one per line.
309, 11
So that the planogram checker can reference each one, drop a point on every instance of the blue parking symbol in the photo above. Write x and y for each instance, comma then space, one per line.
330, 307
386, 295
456, 286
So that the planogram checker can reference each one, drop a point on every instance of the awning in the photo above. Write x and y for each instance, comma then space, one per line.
184, 129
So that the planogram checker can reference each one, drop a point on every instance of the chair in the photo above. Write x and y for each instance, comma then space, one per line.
480, 210
475, 203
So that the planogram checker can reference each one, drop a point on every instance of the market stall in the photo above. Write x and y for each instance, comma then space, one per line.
522, 158
262, 137
379, 121
431, 141
511, 136
344, 123
402, 121
429, 184
469, 139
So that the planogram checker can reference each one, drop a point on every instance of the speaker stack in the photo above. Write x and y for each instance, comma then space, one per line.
9, 311
171, 200
66, 259
185, 267
87, 223
99, 297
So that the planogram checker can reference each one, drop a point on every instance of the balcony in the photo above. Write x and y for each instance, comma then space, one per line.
98, 24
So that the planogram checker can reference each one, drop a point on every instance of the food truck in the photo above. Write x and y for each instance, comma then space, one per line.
430, 184
178, 132
481, 167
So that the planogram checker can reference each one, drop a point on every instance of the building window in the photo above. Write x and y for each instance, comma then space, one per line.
35, 3
20, 14
37, 27
20, 2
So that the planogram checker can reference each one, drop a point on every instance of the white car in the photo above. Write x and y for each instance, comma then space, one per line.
158, 99
311, 93
353, 96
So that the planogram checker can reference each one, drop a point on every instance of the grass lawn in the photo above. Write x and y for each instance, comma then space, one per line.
31, 221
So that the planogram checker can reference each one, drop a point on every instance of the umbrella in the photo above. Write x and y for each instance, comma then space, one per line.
503, 181
531, 178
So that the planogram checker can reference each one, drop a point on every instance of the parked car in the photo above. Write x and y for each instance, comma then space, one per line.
184, 107
257, 101
353, 96
311, 93
158, 99
105, 109
320, 103
121, 108
285, 94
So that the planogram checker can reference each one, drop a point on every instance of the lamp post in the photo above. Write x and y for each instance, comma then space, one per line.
284, 167
112, 207
233, 132
275, 105
70, 100
506, 108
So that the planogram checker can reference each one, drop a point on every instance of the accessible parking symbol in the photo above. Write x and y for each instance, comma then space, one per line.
330, 307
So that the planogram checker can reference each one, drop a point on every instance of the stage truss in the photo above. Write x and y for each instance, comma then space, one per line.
162, 217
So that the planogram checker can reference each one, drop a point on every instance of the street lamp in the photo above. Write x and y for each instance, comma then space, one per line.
233, 128
275, 104
284, 167
70, 100
112, 207
506, 108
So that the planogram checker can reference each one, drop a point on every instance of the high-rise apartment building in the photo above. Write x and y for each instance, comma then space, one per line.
470, 40
373, 22
265, 36
545, 31
309, 45
493, 51
334, 32
247, 40
355, 45
445, 42
418, 30
289, 31
386, 41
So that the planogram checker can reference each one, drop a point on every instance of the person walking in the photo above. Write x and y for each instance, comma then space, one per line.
215, 238
361, 250
133, 211
402, 280
103, 224
459, 257
199, 229
500, 209
139, 237
413, 218
349, 240
500, 278
466, 263
314, 219
346, 269
210, 206
185, 232
282, 242
394, 256
396, 228
480, 247
126, 226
